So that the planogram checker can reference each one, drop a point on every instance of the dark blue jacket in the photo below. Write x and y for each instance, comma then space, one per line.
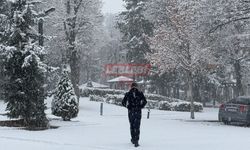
134, 99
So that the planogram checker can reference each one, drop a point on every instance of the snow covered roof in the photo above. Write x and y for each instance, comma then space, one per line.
120, 79
95, 85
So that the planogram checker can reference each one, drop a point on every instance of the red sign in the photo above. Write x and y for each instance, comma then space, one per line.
127, 69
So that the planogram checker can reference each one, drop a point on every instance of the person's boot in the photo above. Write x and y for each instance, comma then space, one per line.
132, 141
136, 144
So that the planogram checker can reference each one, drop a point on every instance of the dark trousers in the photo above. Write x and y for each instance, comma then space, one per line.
135, 122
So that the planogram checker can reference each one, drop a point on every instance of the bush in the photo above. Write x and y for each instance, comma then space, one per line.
96, 98
186, 106
155, 101
156, 97
198, 107
152, 104
165, 106
114, 99
86, 92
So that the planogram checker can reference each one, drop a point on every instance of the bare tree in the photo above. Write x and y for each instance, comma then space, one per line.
82, 15
177, 44
229, 26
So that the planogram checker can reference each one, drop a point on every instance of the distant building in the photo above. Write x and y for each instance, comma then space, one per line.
121, 83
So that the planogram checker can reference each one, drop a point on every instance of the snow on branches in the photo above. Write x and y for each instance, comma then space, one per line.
177, 44
64, 103
134, 26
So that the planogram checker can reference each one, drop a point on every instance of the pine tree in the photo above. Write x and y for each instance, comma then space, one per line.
3, 24
24, 89
64, 103
135, 27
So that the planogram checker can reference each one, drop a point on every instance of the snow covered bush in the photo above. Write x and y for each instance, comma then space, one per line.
155, 101
186, 106
109, 98
96, 98
86, 92
152, 104
64, 103
165, 106
157, 97
114, 99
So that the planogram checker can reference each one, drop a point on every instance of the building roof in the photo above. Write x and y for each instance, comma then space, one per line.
120, 79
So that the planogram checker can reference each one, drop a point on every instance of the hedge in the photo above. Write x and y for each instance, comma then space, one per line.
176, 105
114, 99
96, 98
86, 92
186, 106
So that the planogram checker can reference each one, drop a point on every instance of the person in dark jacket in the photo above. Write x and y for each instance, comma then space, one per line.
134, 100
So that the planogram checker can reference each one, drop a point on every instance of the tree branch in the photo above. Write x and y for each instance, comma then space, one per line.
226, 23
65, 29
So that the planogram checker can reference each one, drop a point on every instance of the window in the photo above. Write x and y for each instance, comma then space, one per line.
243, 100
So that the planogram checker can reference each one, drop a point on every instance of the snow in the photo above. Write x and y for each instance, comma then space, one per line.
112, 6
7, 51
12, 1
28, 60
164, 130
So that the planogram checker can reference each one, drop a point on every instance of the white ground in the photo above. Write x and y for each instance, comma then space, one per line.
165, 130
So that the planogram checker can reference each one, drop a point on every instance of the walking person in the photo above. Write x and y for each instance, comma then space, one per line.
134, 101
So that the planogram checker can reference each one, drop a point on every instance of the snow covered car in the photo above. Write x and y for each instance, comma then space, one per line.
236, 110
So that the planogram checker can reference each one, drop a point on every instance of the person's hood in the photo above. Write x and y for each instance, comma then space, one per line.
134, 90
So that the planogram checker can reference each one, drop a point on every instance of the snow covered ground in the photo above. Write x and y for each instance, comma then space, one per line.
165, 130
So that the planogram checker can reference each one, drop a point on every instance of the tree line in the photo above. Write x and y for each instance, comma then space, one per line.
198, 48
31, 68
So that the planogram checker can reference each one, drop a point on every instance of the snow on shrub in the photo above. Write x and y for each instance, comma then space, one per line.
114, 99
164, 105
186, 106
96, 98
156, 97
110, 99
64, 103
155, 101
86, 92
152, 104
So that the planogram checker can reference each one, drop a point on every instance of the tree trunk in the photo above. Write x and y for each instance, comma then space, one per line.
75, 73
238, 76
144, 84
40, 31
178, 92
169, 91
190, 94
72, 54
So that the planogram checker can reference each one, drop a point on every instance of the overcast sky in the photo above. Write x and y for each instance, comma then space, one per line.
112, 6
